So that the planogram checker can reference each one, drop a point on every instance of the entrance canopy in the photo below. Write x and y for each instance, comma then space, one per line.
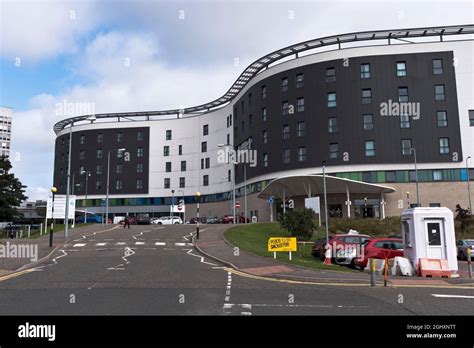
308, 185
299, 185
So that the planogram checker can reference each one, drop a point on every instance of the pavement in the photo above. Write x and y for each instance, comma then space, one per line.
155, 270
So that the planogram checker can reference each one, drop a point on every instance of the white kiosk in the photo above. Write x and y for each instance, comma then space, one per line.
428, 233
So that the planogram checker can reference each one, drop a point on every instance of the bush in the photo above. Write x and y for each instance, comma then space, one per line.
299, 223
374, 227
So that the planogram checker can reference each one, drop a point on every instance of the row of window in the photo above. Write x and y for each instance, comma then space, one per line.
118, 184
182, 182
100, 138
100, 153
169, 132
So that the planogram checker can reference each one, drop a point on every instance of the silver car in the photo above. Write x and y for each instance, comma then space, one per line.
462, 246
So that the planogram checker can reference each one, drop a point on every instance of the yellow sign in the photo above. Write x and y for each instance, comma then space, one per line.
282, 244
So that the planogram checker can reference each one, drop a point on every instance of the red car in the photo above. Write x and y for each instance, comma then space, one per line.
229, 219
380, 248
340, 243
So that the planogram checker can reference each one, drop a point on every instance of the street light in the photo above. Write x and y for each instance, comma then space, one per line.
108, 185
416, 177
326, 260
233, 182
172, 206
198, 198
53, 191
88, 174
468, 185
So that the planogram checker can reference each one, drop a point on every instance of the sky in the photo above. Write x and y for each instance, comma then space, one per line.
147, 55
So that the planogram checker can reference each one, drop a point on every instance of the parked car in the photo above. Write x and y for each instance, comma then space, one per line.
202, 220
462, 246
143, 219
346, 247
131, 219
379, 248
319, 248
91, 218
229, 219
167, 220
214, 220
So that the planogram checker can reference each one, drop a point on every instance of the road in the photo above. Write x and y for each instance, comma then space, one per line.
154, 270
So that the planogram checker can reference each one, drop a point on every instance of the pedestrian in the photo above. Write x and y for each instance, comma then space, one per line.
127, 222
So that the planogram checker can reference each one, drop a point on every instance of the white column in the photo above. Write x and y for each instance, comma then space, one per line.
348, 201
382, 206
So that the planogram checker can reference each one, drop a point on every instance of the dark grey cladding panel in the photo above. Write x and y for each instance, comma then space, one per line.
351, 135
129, 176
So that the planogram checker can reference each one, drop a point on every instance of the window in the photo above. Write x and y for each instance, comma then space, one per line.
140, 136
139, 184
183, 166
332, 125
119, 153
208, 162
180, 150
300, 129
299, 80
368, 122
334, 150
284, 84
437, 67
166, 150
369, 148
98, 169
444, 146
412, 175
406, 147
204, 146
405, 121
401, 69
285, 108
471, 118
264, 93
442, 118
205, 129
83, 139
332, 100
166, 183
437, 175
265, 160
435, 205
250, 121
330, 75
390, 176
118, 184
439, 92
300, 104
202, 163
98, 185
285, 134
403, 94
100, 138
168, 134
250, 99
228, 139
119, 137
205, 180
366, 96
243, 126
119, 168
100, 153
182, 182
365, 71
286, 156
82, 170
229, 176
140, 152
301, 153
82, 154
264, 114
264, 137
168, 167
140, 168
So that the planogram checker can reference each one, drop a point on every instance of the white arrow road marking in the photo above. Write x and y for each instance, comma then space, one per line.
55, 262
202, 258
78, 245
140, 234
451, 296
127, 253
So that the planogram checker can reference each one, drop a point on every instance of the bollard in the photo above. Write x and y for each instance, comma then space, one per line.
385, 273
372, 272
469, 262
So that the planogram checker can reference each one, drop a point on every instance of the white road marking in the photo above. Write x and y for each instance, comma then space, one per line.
160, 243
451, 296
127, 253
139, 243
108, 239
228, 305
140, 234
201, 257
180, 244
100, 244
246, 313
120, 243
78, 245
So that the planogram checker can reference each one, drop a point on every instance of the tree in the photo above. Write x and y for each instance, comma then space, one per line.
464, 215
299, 222
11, 192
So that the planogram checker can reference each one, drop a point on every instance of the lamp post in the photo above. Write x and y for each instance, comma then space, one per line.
88, 174
198, 198
172, 206
53, 191
328, 256
66, 217
413, 150
108, 185
184, 208
468, 186
233, 181
245, 192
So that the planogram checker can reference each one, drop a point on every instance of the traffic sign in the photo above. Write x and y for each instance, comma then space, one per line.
270, 199
237, 204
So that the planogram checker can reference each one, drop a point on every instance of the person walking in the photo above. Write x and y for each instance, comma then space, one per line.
127, 222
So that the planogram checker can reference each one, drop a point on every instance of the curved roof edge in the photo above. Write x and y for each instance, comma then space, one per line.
262, 63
